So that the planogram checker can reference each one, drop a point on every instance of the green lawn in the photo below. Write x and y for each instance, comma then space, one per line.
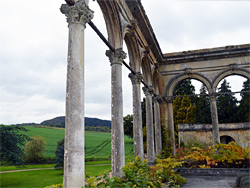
42, 178
30, 179
10, 168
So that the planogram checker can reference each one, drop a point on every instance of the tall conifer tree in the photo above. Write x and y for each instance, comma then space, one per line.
226, 104
243, 113
203, 114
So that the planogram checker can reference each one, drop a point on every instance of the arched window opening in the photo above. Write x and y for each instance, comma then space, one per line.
233, 108
226, 139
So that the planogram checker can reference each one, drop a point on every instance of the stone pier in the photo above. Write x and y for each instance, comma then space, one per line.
77, 16
118, 151
149, 124
158, 141
137, 116
215, 122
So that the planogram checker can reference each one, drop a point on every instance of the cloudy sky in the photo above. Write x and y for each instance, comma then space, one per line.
33, 51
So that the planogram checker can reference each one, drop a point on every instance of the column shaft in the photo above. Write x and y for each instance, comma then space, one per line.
215, 123
77, 16
137, 115
171, 127
118, 151
149, 125
158, 140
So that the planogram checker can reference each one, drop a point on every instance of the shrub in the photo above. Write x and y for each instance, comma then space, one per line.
55, 186
219, 155
60, 154
34, 149
139, 174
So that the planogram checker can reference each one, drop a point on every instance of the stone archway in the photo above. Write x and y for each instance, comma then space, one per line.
225, 139
232, 71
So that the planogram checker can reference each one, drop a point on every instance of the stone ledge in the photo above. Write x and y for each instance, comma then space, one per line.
212, 171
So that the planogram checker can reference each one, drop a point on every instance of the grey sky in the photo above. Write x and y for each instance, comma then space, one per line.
33, 51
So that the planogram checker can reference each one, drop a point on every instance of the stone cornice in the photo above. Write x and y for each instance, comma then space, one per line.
207, 54
116, 57
77, 13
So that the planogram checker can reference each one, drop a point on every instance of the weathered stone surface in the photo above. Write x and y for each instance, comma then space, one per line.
215, 121
78, 13
74, 158
158, 140
239, 132
149, 124
137, 116
118, 151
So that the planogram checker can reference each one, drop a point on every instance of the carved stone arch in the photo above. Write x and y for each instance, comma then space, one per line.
147, 72
112, 19
133, 50
177, 79
231, 71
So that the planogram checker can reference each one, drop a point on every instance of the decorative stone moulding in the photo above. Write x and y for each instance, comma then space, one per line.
148, 90
136, 78
116, 57
77, 13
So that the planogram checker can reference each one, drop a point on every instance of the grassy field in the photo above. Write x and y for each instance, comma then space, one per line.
41, 178
97, 144
51, 136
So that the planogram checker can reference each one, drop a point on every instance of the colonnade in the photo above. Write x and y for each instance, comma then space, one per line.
78, 15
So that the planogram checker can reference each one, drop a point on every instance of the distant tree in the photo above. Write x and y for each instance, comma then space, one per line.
226, 104
128, 125
243, 114
11, 139
184, 111
203, 114
60, 154
184, 88
35, 148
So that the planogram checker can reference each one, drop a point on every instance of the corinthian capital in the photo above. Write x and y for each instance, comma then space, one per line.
116, 57
148, 90
157, 99
77, 13
135, 78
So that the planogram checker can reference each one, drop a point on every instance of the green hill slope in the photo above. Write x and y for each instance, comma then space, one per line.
97, 144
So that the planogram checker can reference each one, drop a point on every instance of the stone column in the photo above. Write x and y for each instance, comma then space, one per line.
149, 124
158, 140
77, 16
137, 116
215, 123
170, 123
118, 151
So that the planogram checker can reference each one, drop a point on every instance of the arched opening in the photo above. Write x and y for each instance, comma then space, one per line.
226, 139
191, 104
233, 107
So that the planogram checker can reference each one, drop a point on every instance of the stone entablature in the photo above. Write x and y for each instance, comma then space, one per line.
207, 54
240, 132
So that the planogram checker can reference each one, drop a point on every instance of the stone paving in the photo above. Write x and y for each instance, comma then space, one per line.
209, 182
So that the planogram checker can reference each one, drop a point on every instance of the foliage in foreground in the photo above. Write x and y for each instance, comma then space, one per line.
221, 155
55, 186
139, 174
11, 140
